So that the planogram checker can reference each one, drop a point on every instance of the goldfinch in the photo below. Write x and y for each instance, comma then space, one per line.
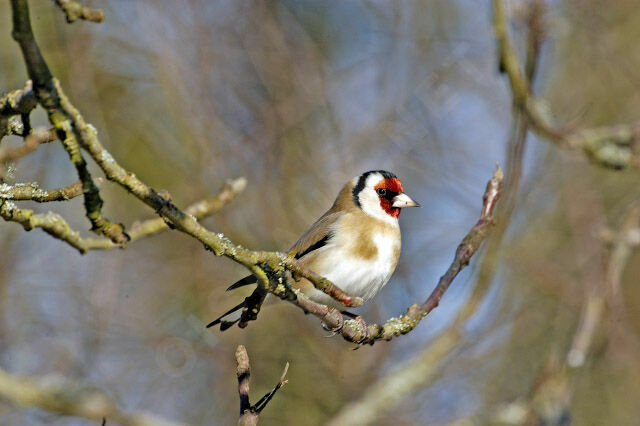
355, 244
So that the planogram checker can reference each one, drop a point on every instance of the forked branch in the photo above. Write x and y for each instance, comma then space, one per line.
249, 413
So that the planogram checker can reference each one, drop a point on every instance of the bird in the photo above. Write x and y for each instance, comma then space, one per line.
355, 244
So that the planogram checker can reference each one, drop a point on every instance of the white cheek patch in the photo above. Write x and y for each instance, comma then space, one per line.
370, 202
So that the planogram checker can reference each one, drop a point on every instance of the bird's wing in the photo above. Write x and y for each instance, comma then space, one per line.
316, 237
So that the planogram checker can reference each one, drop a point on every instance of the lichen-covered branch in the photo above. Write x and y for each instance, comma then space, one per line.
614, 147
249, 413
200, 210
56, 226
73, 11
31, 143
32, 192
18, 102
59, 395
51, 223
47, 96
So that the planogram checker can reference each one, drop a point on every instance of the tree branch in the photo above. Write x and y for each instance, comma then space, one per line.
56, 226
18, 102
31, 143
31, 191
550, 395
614, 147
62, 396
200, 210
47, 96
249, 413
51, 223
73, 11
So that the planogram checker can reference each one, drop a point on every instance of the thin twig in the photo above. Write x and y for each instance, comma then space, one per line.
51, 223
32, 192
18, 102
73, 11
200, 210
67, 398
262, 403
47, 96
56, 226
249, 413
31, 143
624, 240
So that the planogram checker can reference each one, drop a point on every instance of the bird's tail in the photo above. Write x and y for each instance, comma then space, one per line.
229, 318
234, 315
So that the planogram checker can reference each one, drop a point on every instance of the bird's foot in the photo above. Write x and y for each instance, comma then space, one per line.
358, 323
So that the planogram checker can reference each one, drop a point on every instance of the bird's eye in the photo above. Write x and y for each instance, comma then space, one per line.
381, 192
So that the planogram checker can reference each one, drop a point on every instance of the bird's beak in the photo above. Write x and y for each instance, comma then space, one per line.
403, 200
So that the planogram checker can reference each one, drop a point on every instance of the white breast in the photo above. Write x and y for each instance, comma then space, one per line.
356, 276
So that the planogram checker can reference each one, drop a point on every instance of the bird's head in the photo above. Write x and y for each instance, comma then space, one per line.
380, 194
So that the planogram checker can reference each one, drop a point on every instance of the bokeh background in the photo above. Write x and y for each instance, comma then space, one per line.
299, 96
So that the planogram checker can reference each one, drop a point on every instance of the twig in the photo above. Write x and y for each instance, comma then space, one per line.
59, 395
31, 191
200, 210
31, 143
18, 102
51, 223
73, 11
613, 147
624, 240
56, 226
249, 413
47, 96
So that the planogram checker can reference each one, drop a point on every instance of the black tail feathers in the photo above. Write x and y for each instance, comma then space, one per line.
249, 279
233, 315
229, 318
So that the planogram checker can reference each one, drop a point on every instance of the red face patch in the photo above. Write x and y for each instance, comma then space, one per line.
393, 186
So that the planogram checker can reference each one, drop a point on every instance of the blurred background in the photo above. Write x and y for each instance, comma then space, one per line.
299, 96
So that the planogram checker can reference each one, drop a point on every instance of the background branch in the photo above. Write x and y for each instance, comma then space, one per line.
18, 102
31, 143
249, 413
59, 395
613, 147
73, 11
32, 192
